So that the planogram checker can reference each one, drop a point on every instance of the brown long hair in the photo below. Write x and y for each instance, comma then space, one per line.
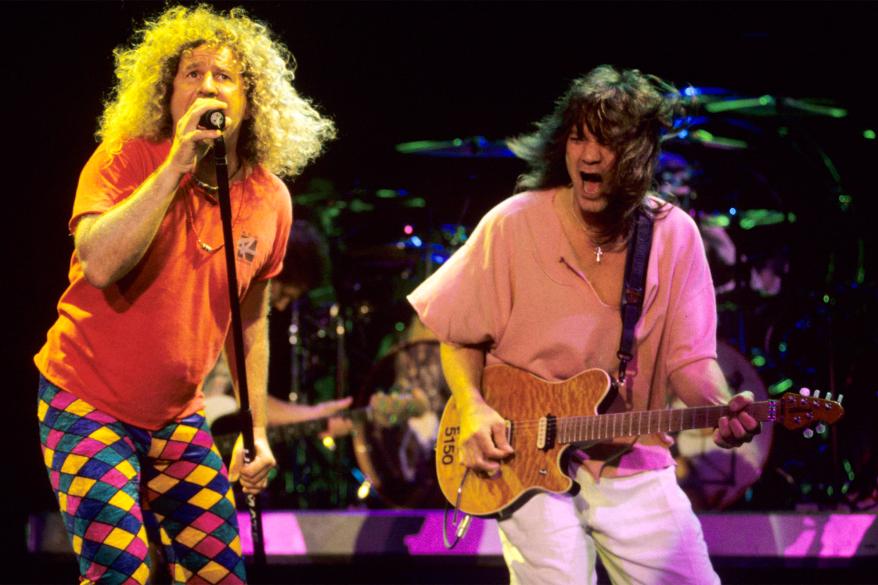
624, 109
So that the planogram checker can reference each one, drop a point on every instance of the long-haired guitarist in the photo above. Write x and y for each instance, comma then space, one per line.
538, 286
146, 314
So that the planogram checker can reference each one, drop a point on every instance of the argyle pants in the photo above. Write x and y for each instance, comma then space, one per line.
120, 486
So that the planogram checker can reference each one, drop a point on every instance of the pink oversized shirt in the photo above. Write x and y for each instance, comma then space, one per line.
513, 285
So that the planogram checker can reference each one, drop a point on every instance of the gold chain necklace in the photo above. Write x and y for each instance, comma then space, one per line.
598, 251
211, 190
190, 214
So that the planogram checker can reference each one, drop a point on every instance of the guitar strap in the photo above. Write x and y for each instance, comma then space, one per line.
633, 290
634, 287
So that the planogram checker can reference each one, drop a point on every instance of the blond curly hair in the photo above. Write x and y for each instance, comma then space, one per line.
284, 131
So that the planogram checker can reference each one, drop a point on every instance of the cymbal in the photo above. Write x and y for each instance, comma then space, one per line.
770, 106
717, 100
471, 147
747, 219
366, 199
360, 200
707, 139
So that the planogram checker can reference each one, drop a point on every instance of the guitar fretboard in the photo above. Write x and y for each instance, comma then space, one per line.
294, 431
580, 429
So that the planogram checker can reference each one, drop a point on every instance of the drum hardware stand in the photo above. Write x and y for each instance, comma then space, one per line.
742, 284
295, 338
246, 415
836, 468
321, 459
341, 390
340, 357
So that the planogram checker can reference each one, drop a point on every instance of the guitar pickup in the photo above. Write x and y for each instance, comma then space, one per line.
546, 432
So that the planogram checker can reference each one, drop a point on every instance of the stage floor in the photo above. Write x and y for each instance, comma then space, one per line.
405, 546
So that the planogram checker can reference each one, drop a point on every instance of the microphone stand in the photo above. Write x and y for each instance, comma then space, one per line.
246, 415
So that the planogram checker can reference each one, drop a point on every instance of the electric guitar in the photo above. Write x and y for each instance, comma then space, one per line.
544, 418
384, 410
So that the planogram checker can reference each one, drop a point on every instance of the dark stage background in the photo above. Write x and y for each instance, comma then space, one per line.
390, 73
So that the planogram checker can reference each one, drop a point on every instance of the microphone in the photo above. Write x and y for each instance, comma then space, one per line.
213, 120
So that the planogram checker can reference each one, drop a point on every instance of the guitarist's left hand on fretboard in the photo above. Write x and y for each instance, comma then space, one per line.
739, 426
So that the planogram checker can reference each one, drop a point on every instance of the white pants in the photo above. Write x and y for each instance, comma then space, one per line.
642, 526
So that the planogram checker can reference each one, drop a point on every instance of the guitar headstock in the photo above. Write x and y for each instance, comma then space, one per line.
801, 410
388, 410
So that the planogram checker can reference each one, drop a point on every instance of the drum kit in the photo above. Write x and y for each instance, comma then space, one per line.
384, 242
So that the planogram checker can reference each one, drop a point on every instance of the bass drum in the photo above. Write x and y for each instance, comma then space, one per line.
399, 460
712, 477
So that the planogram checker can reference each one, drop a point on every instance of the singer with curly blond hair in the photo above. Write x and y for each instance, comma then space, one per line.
146, 313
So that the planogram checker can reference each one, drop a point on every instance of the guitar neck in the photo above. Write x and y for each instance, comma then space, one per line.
581, 429
306, 428
294, 431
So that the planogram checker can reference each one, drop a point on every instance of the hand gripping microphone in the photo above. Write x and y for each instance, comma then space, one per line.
213, 120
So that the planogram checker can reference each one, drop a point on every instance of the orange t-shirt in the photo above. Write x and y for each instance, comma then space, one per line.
140, 348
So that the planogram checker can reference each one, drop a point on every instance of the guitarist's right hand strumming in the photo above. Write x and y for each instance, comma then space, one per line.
483, 441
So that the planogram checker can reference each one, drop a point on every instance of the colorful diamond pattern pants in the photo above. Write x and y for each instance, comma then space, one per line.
120, 486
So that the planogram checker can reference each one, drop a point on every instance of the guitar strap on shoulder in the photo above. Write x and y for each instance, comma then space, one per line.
634, 287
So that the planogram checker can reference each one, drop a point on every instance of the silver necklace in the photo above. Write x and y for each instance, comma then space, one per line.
598, 251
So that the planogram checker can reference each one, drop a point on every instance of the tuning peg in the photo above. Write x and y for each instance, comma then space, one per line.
820, 428
816, 394
805, 391
828, 396
840, 398
808, 433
